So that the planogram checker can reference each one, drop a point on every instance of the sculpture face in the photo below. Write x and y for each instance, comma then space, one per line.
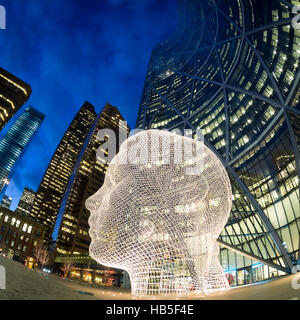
159, 223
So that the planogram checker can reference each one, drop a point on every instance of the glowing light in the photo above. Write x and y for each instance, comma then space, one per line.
15, 84
7, 100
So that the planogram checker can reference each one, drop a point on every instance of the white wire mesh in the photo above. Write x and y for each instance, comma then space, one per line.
158, 223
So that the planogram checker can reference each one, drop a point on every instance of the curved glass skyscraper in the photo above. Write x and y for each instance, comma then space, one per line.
232, 70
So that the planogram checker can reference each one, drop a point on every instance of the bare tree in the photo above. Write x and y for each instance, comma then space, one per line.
38, 251
45, 257
41, 254
66, 268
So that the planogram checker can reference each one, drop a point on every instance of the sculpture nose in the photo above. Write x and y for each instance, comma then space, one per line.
90, 204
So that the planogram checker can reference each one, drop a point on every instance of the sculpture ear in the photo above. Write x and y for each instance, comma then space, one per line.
2, 17
196, 191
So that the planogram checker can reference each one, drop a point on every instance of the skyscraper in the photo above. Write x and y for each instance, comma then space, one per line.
15, 141
13, 94
60, 168
26, 201
232, 70
71, 227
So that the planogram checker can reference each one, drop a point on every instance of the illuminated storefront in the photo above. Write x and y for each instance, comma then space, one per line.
30, 263
84, 268
101, 277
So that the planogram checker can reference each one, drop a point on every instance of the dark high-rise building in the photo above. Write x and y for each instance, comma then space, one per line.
26, 202
15, 141
58, 173
6, 201
13, 94
71, 227
232, 70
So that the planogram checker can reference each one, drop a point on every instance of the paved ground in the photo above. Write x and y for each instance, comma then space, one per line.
27, 284
280, 289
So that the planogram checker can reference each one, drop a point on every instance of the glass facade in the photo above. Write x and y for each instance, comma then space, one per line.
13, 94
71, 230
232, 70
15, 141
60, 168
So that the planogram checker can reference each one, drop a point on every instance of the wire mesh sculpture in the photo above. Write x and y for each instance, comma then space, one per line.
159, 223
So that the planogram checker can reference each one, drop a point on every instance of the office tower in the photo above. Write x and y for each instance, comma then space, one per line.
232, 70
13, 94
71, 227
14, 143
6, 201
26, 201
60, 168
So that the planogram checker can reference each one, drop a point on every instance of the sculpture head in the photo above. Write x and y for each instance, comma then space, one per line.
152, 216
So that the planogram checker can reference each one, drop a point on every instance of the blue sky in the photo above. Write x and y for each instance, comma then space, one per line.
72, 51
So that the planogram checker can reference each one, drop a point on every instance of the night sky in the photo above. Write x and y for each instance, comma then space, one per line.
71, 51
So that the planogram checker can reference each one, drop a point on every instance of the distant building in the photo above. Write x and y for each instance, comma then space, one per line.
60, 168
6, 201
15, 141
13, 94
19, 234
71, 227
26, 201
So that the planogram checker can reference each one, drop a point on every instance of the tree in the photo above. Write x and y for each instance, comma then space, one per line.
41, 254
66, 268
45, 257
38, 251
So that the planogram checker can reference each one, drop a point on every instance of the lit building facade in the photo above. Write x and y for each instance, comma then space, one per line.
60, 168
71, 231
13, 94
232, 70
16, 140
19, 234
6, 201
26, 201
